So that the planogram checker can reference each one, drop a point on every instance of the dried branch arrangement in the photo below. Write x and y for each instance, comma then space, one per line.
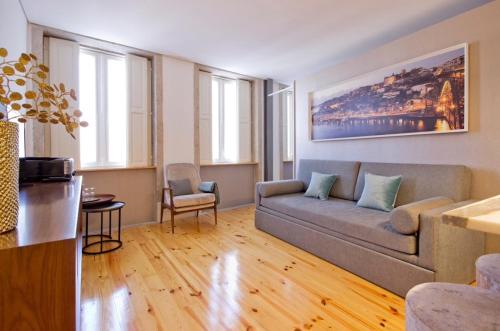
44, 103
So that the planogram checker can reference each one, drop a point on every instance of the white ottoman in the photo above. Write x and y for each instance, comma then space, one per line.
445, 306
488, 272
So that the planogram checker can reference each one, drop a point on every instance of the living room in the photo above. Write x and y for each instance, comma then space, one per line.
287, 165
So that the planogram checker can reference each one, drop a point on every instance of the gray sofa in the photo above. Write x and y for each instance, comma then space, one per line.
365, 241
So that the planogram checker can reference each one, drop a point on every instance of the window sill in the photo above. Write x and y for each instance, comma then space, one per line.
84, 170
227, 164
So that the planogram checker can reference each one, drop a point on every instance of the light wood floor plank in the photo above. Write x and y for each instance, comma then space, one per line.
226, 277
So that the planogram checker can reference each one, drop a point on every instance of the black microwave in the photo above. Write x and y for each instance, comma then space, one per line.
45, 169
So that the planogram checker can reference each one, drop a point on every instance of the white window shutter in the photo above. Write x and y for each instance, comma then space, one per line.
138, 106
245, 121
64, 63
205, 104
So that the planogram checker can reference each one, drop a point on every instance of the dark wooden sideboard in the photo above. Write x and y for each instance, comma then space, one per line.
40, 261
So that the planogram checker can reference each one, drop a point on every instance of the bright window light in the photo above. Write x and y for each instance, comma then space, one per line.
88, 102
225, 118
117, 111
231, 127
103, 100
215, 121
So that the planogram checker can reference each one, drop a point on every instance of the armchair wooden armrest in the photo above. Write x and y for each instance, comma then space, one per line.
171, 195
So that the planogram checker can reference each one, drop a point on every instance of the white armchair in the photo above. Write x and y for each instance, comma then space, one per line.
179, 204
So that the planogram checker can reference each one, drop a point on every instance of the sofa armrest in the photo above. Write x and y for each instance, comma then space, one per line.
449, 250
405, 219
278, 187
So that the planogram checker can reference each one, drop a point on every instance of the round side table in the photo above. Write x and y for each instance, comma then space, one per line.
104, 238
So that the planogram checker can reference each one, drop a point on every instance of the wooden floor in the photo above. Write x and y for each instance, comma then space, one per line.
229, 277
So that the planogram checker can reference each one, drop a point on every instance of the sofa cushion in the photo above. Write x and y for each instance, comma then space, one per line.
344, 217
346, 172
420, 181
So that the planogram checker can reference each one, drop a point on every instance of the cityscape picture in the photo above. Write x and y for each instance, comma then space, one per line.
420, 96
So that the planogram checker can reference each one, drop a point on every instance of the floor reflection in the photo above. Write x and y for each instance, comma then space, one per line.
119, 303
224, 293
93, 309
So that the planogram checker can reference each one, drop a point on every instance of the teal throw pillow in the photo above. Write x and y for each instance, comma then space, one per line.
380, 192
320, 185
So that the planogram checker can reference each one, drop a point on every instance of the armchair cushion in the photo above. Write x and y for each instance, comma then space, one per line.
190, 200
279, 187
406, 218
179, 171
180, 186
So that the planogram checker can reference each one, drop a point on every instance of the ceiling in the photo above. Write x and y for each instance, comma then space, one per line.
279, 39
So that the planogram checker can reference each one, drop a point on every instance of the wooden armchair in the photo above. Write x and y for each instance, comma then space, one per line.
179, 204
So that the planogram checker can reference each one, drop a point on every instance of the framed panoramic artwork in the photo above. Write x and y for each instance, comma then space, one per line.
425, 95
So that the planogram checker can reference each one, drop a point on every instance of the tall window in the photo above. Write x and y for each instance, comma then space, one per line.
225, 120
225, 128
103, 97
288, 148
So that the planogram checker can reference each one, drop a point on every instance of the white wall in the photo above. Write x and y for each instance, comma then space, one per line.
14, 37
479, 148
178, 111
14, 30
236, 182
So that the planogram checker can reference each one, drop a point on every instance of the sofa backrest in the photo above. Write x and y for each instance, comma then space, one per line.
421, 181
347, 172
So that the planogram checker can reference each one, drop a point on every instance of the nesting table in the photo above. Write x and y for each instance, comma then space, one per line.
480, 216
104, 238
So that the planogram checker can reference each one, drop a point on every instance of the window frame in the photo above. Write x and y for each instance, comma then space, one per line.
102, 118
